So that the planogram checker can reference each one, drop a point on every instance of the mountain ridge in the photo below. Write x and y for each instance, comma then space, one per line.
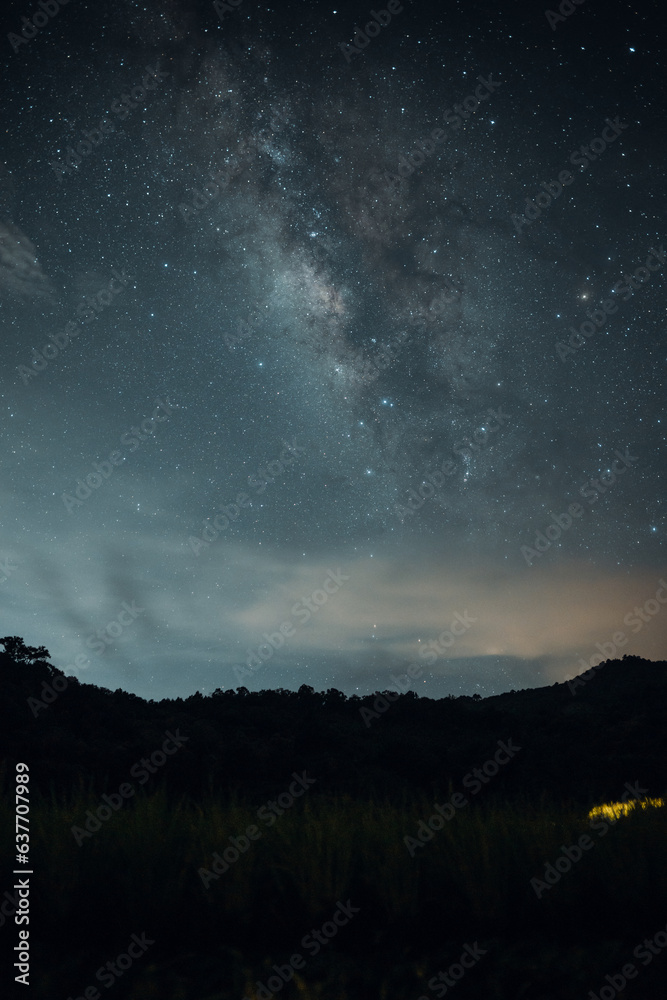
584, 742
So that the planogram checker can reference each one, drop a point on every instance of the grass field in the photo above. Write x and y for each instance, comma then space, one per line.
141, 872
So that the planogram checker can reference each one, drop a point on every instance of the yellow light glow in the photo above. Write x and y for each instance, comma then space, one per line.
613, 810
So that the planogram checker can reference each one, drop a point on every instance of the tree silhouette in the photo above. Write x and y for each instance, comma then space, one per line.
20, 653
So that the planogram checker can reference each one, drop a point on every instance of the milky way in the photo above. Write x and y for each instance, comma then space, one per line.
372, 261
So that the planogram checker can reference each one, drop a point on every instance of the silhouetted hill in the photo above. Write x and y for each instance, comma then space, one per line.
580, 743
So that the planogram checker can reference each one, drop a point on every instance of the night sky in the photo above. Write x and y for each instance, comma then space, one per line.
287, 284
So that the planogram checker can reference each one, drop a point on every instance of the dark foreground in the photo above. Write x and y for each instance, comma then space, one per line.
295, 845
344, 898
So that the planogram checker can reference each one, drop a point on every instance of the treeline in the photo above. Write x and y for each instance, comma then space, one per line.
578, 745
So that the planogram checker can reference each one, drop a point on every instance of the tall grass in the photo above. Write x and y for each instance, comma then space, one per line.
140, 870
